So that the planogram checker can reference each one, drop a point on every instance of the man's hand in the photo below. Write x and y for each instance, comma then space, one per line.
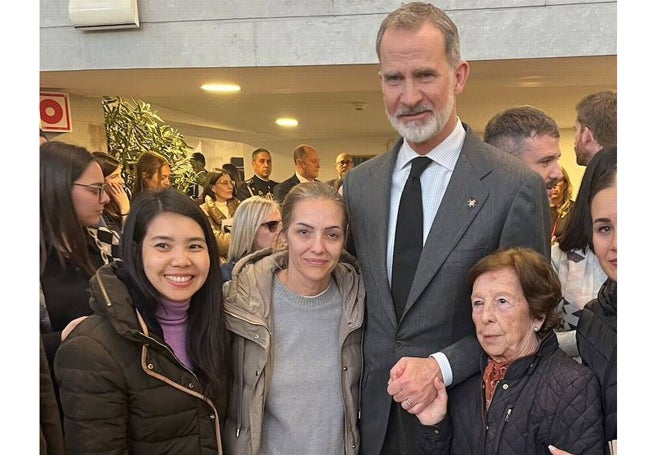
411, 383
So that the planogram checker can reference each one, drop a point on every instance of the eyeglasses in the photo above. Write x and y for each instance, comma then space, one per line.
272, 226
97, 189
227, 183
344, 162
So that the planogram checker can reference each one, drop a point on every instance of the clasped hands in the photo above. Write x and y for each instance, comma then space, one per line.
416, 383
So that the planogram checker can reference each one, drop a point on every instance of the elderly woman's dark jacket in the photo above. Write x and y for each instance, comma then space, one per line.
122, 388
596, 337
546, 398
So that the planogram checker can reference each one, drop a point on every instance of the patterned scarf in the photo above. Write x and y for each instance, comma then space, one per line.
107, 242
494, 372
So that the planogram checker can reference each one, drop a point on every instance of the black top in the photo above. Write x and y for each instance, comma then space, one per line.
66, 291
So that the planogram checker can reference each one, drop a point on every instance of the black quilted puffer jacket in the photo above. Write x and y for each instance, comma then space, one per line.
596, 337
546, 398
123, 391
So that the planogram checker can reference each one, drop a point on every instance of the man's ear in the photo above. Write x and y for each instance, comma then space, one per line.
461, 75
588, 137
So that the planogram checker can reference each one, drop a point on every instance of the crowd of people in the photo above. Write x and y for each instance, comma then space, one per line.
467, 304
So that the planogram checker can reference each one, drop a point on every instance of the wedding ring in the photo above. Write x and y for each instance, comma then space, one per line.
408, 404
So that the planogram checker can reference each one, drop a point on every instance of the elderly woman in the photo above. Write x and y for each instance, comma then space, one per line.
529, 394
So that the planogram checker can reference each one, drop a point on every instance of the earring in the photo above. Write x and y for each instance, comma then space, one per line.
536, 329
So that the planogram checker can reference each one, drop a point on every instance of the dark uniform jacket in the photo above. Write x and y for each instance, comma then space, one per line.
255, 186
122, 388
545, 398
596, 337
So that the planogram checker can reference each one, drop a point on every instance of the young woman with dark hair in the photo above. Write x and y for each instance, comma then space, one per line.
72, 199
148, 373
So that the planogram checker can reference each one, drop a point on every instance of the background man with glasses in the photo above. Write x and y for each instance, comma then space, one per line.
343, 165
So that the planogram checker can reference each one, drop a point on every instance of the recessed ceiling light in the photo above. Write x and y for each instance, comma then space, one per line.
222, 88
285, 121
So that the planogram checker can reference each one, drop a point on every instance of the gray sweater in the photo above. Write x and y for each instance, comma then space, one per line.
304, 411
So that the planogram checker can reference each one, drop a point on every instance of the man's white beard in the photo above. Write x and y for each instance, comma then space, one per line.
418, 132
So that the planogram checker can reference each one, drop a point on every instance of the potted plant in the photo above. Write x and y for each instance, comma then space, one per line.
133, 128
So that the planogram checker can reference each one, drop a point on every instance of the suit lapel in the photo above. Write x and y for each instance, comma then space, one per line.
456, 212
383, 172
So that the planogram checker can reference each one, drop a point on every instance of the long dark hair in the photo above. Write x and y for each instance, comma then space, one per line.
206, 340
577, 234
60, 229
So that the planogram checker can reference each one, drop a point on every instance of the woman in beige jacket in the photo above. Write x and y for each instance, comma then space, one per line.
296, 319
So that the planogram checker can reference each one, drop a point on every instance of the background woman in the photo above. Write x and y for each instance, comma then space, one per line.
596, 333
152, 172
72, 199
148, 373
220, 204
529, 394
236, 176
296, 317
573, 258
118, 207
255, 226
561, 205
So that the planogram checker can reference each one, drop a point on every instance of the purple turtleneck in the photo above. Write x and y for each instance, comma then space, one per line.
173, 318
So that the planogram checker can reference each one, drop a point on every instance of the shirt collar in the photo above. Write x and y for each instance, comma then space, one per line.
446, 153
301, 178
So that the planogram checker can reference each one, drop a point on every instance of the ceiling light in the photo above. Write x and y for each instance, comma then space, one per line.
222, 88
285, 121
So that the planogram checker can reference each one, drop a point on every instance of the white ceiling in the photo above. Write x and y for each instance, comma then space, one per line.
322, 97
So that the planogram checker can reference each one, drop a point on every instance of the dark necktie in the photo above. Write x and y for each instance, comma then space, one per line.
408, 235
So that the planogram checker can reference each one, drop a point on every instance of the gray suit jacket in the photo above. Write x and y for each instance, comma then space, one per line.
511, 209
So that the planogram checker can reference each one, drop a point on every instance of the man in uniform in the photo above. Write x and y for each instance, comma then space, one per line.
260, 183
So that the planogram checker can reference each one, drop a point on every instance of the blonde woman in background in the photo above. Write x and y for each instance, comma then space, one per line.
255, 226
561, 205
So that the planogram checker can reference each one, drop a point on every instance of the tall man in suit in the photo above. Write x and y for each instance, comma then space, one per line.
307, 163
476, 199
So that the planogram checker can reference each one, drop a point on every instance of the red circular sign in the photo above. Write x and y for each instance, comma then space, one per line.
51, 111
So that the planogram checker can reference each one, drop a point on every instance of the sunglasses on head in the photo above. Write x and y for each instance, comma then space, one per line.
272, 226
